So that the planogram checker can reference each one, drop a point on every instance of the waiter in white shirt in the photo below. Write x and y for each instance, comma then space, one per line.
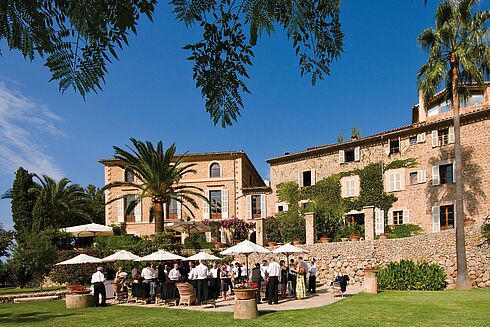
202, 273
192, 276
214, 284
312, 279
274, 270
98, 279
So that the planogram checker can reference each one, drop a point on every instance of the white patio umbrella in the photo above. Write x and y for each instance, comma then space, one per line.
161, 255
122, 255
246, 248
81, 258
202, 256
288, 249
89, 230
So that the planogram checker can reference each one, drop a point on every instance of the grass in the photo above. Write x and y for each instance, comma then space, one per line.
15, 290
390, 308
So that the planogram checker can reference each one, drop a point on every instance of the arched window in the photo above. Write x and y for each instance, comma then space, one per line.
128, 176
215, 170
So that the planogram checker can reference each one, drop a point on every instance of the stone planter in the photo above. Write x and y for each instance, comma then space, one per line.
370, 281
468, 223
355, 237
245, 293
324, 239
245, 309
74, 301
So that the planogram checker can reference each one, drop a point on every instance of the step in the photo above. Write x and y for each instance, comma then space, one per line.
36, 299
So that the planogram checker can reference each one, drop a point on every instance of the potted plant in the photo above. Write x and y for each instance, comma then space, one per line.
383, 236
354, 232
272, 244
245, 290
468, 221
296, 241
325, 239
219, 245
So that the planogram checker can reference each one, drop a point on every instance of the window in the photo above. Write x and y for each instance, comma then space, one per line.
350, 188
413, 178
173, 209
398, 217
349, 155
216, 205
445, 106
421, 138
446, 216
307, 178
476, 99
433, 111
394, 181
215, 170
128, 176
413, 140
129, 215
443, 136
282, 207
446, 174
256, 206
394, 146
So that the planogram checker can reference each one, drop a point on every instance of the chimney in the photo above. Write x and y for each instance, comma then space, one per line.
422, 112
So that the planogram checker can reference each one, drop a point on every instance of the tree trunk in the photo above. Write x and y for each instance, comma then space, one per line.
167, 214
158, 211
462, 279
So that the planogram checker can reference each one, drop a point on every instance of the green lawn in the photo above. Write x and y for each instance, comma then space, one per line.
15, 290
448, 308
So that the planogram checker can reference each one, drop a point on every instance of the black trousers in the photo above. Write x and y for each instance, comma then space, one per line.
259, 284
292, 279
202, 291
312, 284
214, 288
273, 292
99, 291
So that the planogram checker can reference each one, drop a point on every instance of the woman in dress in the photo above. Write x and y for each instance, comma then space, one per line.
300, 281
284, 278
225, 280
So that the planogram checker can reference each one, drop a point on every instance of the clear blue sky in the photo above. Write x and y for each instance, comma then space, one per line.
150, 95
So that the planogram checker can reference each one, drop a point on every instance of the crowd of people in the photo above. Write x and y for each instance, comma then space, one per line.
273, 279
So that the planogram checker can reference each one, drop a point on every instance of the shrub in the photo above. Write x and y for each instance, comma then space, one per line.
408, 275
485, 230
404, 230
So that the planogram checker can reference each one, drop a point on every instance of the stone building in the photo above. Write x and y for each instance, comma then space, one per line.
228, 179
426, 192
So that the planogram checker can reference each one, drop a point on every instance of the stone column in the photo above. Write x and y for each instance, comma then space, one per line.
310, 227
260, 231
368, 223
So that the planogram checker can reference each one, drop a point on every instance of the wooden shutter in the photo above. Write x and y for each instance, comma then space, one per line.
390, 217
205, 206
357, 153
313, 176
224, 203
248, 205
379, 221
421, 176
421, 138
406, 216
435, 175
179, 210
435, 138
223, 236
454, 172
137, 211
164, 208
120, 210
450, 137
341, 156
263, 206
300, 179
436, 222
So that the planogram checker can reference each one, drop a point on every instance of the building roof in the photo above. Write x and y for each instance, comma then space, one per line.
378, 137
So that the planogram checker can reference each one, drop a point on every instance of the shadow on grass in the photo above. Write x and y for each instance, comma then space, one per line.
31, 317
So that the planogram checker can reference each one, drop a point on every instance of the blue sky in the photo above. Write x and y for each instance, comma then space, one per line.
150, 95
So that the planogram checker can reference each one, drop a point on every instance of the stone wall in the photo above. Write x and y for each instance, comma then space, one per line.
351, 258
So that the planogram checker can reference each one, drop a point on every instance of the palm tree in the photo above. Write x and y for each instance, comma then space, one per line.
459, 55
66, 201
158, 174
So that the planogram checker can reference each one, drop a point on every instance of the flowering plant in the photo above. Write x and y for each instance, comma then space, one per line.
246, 285
468, 218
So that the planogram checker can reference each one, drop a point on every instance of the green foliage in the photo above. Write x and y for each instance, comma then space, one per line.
197, 241
340, 137
222, 57
485, 230
402, 163
273, 230
356, 133
95, 207
22, 200
6, 242
403, 230
79, 274
408, 275
76, 38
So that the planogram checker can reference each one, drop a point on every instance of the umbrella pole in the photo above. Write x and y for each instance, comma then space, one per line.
246, 257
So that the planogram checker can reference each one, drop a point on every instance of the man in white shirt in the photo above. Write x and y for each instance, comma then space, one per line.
192, 276
312, 279
202, 273
263, 274
148, 273
274, 271
98, 279
214, 284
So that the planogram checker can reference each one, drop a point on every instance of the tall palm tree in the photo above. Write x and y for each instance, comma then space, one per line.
66, 201
459, 55
158, 174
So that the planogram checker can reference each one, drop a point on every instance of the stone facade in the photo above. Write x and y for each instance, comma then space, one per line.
421, 191
351, 258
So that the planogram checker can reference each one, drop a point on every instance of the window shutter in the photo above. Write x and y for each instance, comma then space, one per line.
341, 156
421, 176
436, 222
224, 203
313, 177
435, 175
164, 211
208, 237
406, 216
223, 236
454, 173
179, 210
300, 179
263, 207
390, 217
248, 204
120, 210
435, 138
450, 137
137, 211
285, 207
379, 221
205, 206
421, 138
357, 153
401, 176
455, 215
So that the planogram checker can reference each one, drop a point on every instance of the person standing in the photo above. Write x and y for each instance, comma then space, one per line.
192, 276
274, 271
202, 273
214, 284
171, 291
237, 274
229, 270
265, 279
312, 279
225, 280
256, 277
305, 267
98, 279
293, 274
283, 280
300, 282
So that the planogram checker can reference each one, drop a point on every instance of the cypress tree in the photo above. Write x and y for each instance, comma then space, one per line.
23, 201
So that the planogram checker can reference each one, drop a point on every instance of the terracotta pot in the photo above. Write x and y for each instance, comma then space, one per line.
297, 241
383, 236
219, 245
355, 237
469, 223
245, 293
272, 244
324, 239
